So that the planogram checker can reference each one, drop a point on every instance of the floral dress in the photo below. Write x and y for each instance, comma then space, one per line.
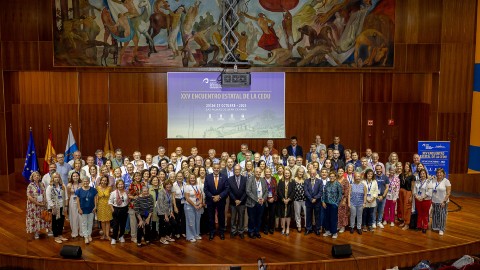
34, 222
343, 210
104, 212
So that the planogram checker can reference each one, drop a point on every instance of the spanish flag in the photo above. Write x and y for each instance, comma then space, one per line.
108, 147
50, 155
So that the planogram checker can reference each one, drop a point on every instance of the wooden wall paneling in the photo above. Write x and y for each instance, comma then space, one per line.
455, 89
429, 21
418, 21
35, 87
46, 55
3, 145
400, 58
160, 93
375, 137
64, 88
127, 87
411, 125
20, 55
433, 123
93, 88
412, 88
125, 127
11, 86
93, 121
423, 58
458, 21
152, 129
45, 20
453, 127
19, 20
401, 15
9, 141
377, 87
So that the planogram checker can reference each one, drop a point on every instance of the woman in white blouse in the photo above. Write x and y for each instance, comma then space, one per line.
440, 198
423, 199
118, 201
372, 194
57, 200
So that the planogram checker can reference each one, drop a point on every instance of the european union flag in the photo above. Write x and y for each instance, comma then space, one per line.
31, 163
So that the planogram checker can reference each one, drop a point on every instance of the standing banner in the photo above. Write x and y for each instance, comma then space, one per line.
434, 155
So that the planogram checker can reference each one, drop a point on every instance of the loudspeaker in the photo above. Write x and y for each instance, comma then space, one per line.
71, 252
341, 251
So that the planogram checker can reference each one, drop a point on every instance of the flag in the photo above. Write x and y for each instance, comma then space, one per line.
31, 163
50, 155
71, 146
108, 147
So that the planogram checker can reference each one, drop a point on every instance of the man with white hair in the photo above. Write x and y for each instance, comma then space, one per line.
161, 155
77, 155
137, 158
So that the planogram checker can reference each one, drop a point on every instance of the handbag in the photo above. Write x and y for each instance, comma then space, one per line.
46, 216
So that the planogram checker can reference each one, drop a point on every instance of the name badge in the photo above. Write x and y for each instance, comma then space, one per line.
86, 199
259, 193
270, 194
39, 198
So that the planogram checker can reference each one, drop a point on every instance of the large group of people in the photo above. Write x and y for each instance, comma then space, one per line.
166, 198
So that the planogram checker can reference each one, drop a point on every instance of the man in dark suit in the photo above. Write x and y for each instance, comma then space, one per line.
216, 191
294, 149
238, 197
313, 193
337, 146
99, 159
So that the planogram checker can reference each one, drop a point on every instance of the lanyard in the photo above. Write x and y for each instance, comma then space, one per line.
39, 190
169, 198
93, 182
369, 186
350, 180
421, 184
59, 192
438, 183
197, 192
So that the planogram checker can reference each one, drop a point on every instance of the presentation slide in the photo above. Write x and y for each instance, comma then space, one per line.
199, 107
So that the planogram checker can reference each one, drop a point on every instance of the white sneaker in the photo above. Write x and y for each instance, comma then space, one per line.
384, 222
50, 233
335, 236
380, 225
327, 233
90, 238
198, 237
134, 240
37, 235
192, 240
342, 230
113, 242
392, 224
121, 239
440, 232
86, 240
374, 226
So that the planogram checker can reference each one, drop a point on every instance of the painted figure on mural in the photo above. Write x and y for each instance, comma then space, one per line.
316, 33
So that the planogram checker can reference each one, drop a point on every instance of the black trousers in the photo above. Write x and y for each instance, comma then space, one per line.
219, 208
268, 218
144, 232
120, 215
57, 224
180, 218
166, 227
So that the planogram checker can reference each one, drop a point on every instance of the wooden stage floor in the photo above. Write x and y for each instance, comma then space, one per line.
381, 249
